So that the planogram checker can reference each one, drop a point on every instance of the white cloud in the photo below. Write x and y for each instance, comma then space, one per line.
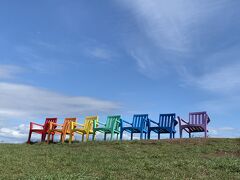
100, 53
216, 73
167, 23
17, 134
24, 101
144, 63
224, 132
223, 79
173, 25
172, 33
9, 71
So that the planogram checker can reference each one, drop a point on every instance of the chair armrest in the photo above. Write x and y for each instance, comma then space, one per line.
53, 125
153, 122
175, 122
208, 119
184, 121
126, 122
101, 123
82, 125
36, 124
180, 120
75, 124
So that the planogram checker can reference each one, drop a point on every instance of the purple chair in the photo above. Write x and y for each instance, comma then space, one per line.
197, 123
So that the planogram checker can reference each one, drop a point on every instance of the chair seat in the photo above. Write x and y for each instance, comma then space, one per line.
193, 128
39, 131
59, 131
158, 129
83, 131
106, 130
133, 130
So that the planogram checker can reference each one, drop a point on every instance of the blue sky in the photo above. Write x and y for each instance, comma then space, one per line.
78, 58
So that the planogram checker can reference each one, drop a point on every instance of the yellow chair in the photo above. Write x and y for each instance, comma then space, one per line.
62, 129
86, 128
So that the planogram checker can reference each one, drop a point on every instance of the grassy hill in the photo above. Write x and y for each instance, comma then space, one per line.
165, 159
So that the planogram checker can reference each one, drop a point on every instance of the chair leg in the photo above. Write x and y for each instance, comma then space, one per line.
112, 134
63, 138
141, 135
87, 136
82, 137
149, 134
121, 135
70, 138
170, 135
117, 136
145, 135
131, 135
158, 135
29, 137
205, 133
52, 137
174, 135
180, 132
105, 136
43, 137
189, 135
93, 136
48, 138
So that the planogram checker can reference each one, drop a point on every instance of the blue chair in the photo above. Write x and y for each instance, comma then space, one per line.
166, 124
139, 125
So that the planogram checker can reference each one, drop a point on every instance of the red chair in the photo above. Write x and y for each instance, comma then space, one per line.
41, 129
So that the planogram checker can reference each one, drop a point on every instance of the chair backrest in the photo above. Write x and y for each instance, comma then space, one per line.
89, 122
140, 121
198, 117
67, 124
113, 122
47, 121
167, 120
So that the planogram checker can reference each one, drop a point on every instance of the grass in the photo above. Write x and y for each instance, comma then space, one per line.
165, 159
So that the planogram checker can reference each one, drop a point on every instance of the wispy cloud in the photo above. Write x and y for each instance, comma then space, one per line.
99, 53
166, 22
224, 131
25, 102
177, 25
9, 71
14, 134
221, 105
97, 50
180, 32
222, 80
40, 57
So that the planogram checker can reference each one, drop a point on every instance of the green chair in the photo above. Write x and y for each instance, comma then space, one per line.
112, 127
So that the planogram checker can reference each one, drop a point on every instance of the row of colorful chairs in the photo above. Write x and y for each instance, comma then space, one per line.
141, 123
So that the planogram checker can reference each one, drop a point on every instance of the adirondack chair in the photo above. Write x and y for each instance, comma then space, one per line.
139, 125
62, 129
41, 129
86, 128
166, 124
112, 127
197, 123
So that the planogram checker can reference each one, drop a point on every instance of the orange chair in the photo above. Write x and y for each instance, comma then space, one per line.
62, 129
